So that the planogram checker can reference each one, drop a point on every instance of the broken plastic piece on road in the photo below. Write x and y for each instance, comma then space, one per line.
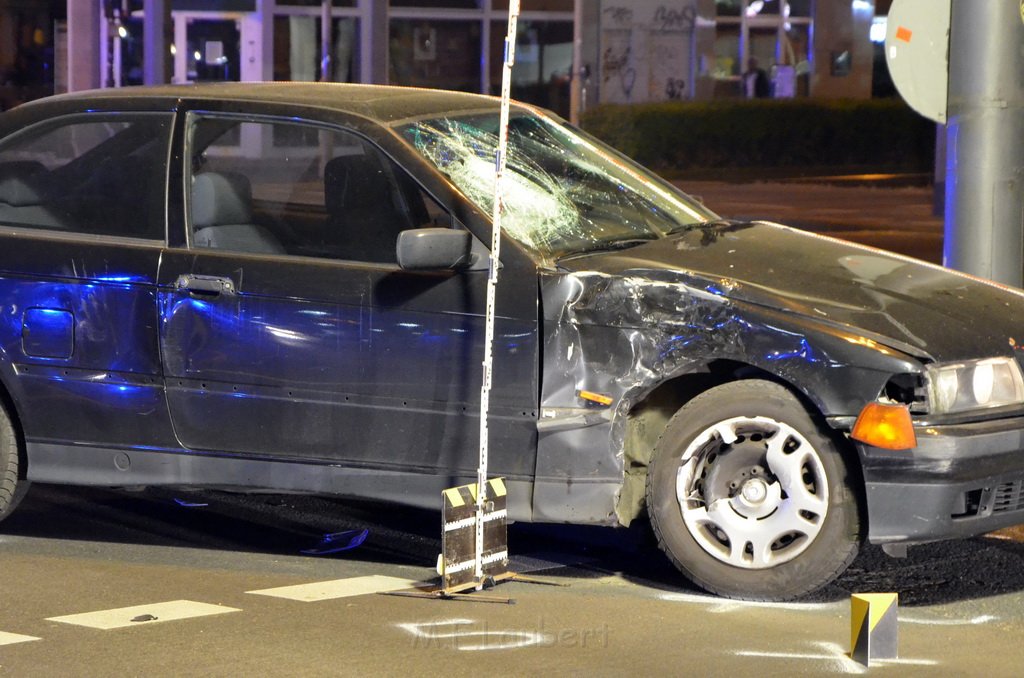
189, 504
338, 541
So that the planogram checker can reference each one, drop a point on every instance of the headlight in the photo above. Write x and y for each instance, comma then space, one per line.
973, 385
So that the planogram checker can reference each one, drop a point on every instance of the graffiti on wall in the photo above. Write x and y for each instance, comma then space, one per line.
674, 19
645, 50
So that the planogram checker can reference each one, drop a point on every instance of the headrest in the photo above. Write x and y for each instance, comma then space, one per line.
220, 199
15, 188
354, 182
18, 193
238, 237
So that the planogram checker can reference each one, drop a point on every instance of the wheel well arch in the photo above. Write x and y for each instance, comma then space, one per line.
648, 417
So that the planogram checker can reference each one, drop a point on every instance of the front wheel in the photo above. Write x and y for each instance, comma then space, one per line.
749, 497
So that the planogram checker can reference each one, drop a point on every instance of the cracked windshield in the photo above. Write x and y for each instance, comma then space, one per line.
565, 194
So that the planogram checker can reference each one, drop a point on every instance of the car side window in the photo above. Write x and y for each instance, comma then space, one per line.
281, 187
96, 174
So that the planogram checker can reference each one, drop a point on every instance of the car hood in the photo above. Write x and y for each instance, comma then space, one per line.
916, 307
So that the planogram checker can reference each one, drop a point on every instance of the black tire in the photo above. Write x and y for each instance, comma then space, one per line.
771, 538
12, 486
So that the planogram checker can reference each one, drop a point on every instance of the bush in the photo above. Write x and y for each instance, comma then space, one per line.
875, 133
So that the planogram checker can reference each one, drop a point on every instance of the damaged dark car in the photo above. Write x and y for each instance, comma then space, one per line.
282, 286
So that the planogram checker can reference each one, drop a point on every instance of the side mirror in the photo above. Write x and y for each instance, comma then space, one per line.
433, 248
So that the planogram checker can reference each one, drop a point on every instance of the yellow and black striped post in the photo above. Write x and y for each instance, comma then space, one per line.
873, 632
458, 541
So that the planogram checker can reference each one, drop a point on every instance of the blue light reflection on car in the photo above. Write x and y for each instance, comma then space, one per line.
715, 290
805, 352
127, 279
87, 325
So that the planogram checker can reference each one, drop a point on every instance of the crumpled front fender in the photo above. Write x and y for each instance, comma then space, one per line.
623, 336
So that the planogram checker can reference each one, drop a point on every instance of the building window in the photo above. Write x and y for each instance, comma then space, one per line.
433, 53
543, 66
316, 3
769, 36
297, 49
459, 44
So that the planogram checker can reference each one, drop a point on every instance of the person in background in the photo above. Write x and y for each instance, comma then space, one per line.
755, 81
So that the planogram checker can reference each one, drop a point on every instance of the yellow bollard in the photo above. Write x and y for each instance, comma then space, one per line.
873, 632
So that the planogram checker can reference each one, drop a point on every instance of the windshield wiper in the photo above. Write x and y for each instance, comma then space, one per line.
609, 246
710, 223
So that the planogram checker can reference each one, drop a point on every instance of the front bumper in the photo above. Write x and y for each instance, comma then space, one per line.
961, 480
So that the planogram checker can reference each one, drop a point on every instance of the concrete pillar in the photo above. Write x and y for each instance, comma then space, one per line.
326, 40
485, 48
83, 44
257, 46
156, 57
302, 53
843, 27
576, 79
586, 76
265, 53
703, 52
374, 39
985, 141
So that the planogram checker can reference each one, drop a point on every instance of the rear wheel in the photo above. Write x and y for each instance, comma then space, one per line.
749, 497
12, 487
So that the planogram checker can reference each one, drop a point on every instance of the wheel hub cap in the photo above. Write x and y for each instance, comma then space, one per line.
752, 515
754, 491
757, 499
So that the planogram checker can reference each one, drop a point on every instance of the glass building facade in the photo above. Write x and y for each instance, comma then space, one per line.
642, 50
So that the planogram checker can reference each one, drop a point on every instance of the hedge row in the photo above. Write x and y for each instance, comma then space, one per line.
876, 133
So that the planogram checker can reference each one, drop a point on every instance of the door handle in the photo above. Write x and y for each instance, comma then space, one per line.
205, 284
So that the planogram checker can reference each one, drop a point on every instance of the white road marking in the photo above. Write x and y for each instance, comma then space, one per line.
339, 588
143, 615
12, 638
447, 633
831, 652
719, 605
980, 619
837, 657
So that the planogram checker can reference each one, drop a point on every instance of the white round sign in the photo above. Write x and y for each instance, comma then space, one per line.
917, 52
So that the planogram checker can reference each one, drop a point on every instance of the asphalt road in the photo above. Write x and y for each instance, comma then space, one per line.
186, 574
896, 219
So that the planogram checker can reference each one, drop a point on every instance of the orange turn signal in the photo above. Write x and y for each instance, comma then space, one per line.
598, 398
885, 426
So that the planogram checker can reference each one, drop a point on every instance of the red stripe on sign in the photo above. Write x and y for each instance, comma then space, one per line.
904, 34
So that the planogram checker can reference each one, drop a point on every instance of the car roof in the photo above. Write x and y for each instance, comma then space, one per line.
386, 104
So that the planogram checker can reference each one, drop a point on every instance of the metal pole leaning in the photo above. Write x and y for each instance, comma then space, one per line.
492, 285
